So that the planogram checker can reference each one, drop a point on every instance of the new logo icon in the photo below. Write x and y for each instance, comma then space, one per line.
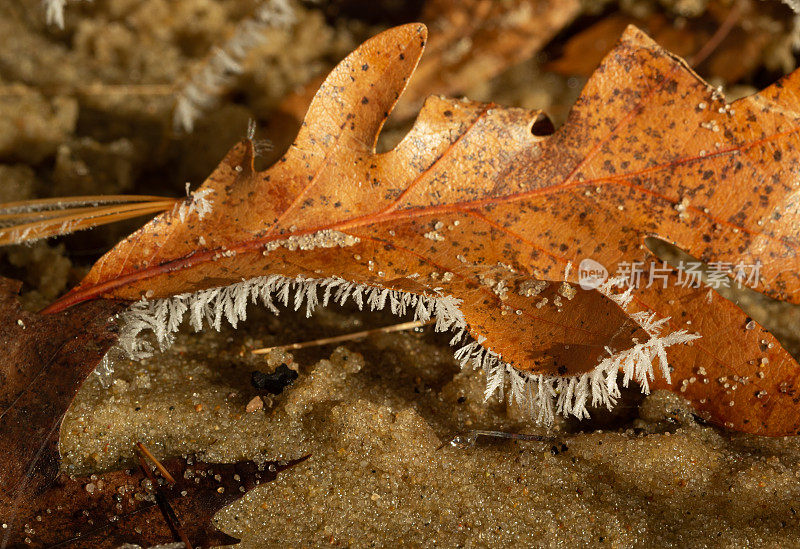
591, 274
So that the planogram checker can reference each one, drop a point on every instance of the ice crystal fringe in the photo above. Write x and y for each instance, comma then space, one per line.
196, 202
205, 87
163, 317
54, 12
542, 395
794, 5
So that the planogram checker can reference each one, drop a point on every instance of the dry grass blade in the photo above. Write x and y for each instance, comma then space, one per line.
26, 221
41, 204
149, 455
167, 511
346, 337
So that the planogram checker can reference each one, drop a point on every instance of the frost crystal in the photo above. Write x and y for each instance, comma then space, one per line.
203, 90
163, 317
542, 395
197, 201
54, 12
545, 395
326, 238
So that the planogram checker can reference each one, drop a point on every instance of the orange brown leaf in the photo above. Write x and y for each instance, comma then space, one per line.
477, 214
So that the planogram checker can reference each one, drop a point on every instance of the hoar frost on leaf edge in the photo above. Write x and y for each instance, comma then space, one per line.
542, 395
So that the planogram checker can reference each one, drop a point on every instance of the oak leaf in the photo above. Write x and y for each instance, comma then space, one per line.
477, 215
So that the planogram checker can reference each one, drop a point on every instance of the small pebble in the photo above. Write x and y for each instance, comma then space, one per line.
255, 404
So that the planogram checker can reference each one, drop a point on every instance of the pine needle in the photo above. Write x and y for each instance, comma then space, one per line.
470, 439
149, 455
164, 506
72, 201
29, 220
346, 337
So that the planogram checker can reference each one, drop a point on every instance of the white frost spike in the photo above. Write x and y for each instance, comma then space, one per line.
54, 12
196, 202
218, 73
163, 317
570, 395
542, 395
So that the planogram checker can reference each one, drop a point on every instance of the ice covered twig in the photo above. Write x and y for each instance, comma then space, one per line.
26, 221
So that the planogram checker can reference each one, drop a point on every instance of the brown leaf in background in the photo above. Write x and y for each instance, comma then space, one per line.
45, 361
480, 203
727, 41
475, 40
471, 42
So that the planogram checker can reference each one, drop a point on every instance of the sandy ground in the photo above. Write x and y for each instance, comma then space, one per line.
378, 418
88, 109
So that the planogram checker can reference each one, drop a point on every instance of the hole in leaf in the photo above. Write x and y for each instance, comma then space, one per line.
542, 126
781, 319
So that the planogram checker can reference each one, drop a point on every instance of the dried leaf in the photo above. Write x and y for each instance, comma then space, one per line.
478, 205
45, 360
276, 214
729, 40
112, 509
